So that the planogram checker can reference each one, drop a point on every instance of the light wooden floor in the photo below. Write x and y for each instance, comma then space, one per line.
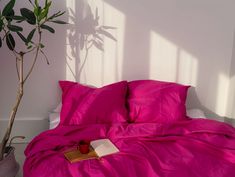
19, 153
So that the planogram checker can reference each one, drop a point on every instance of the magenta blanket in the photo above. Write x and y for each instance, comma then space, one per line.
192, 148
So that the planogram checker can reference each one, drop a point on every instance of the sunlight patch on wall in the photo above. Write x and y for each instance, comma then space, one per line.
231, 99
93, 68
70, 58
222, 94
163, 58
169, 62
113, 50
187, 69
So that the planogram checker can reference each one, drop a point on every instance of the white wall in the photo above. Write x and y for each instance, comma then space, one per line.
185, 41
189, 42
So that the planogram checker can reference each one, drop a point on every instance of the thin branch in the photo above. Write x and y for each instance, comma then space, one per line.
21, 71
45, 56
17, 69
32, 66
31, 50
36, 55
31, 3
15, 137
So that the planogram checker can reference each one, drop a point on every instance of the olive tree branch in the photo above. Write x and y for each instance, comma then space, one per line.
36, 55
17, 69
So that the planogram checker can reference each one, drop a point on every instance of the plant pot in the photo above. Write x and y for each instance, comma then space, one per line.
8, 166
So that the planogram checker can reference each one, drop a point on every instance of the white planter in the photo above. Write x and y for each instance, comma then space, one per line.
8, 166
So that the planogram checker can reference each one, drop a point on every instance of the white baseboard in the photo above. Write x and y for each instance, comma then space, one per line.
25, 127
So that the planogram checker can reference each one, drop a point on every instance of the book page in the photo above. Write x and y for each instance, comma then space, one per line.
104, 147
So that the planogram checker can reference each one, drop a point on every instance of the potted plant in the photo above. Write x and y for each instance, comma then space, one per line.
12, 26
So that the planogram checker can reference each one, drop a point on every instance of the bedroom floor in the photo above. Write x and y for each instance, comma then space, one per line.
20, 156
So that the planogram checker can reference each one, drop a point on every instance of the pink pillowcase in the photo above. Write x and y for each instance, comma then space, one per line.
86, 105
156, 101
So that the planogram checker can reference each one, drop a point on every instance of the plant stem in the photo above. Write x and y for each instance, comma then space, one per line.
20, 94
17, 69
36, 55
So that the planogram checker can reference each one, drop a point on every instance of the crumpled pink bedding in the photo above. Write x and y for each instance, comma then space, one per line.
191, 148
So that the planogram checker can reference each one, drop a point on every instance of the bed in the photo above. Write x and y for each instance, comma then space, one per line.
146, 120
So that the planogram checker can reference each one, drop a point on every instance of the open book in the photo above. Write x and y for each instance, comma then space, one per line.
98, 148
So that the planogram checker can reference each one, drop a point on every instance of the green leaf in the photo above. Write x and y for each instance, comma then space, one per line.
29, 47
42, 15
30, 36
1, 25
30, 2
19, 21
57, 14
14, 28
0, 42
59, 22
29, 15
41, 45
45, 11
37, 11
48, 28
9, 15
36, 3
16, 17
46, 2
10, 41
22, 37
8, 8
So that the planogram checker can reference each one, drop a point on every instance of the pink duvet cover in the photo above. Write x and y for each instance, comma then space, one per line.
192, 148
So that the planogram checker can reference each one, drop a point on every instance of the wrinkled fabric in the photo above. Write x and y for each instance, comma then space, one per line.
192, 148
156, 101
88, 105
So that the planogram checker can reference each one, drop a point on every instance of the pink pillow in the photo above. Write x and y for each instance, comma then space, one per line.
156, 101
86, 105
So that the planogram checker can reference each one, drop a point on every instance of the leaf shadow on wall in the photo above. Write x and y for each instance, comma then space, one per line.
85, 33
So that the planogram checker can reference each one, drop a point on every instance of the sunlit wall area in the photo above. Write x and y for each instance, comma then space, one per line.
231, 95
170, 62
113, 49
187, 70
70, 47
163, 58
222, 94
231, 99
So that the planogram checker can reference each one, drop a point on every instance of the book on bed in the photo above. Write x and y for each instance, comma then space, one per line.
98, 148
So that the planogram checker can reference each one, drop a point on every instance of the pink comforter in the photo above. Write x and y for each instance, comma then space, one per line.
193, 148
